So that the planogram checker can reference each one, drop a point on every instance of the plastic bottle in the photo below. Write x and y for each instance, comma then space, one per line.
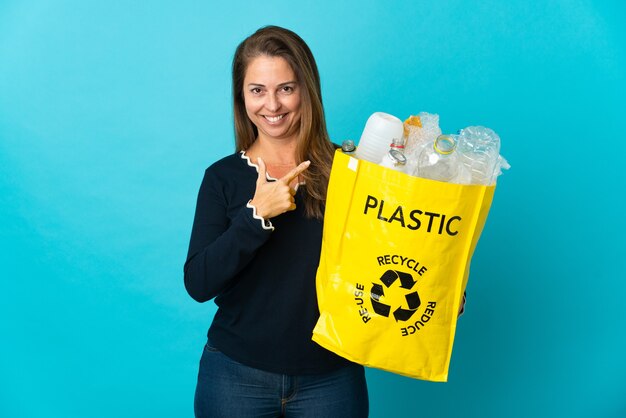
380, 129
395, 158
479, 150
438, 161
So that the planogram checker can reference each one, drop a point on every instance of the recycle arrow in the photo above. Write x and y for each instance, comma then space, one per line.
390, 276
413, 301
376, 293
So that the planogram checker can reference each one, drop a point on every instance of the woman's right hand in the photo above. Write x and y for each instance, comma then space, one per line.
271, 198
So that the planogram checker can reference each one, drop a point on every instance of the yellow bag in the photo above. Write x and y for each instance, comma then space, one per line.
395, 260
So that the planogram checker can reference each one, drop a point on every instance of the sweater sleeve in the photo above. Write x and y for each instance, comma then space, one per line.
220, 247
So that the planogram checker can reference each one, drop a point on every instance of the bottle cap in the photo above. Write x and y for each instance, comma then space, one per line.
397, 157
348, 145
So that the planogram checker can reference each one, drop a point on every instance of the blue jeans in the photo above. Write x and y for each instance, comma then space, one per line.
227, 388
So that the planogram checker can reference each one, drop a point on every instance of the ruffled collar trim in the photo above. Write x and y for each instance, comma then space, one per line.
256, 167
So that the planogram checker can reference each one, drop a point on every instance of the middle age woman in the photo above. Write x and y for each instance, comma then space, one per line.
255, 246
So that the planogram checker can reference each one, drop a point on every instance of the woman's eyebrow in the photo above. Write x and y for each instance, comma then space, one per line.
263, 85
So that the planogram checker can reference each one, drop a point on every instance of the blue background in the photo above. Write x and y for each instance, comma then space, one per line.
110, 111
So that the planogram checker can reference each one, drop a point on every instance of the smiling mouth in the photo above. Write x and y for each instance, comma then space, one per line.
274, 119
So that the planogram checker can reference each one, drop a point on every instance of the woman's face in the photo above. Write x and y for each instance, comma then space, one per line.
272, 98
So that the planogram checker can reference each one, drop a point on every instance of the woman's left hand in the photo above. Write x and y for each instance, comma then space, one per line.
276, 197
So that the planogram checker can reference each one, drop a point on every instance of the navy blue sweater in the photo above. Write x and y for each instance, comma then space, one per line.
262, 278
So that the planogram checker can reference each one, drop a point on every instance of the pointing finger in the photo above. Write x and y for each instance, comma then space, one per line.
262, 170
296, 172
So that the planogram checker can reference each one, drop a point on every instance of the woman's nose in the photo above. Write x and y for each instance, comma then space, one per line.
272, 104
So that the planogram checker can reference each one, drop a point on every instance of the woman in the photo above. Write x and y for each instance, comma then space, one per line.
255, 247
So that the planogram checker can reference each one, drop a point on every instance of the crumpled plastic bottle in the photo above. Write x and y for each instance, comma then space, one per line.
479, 150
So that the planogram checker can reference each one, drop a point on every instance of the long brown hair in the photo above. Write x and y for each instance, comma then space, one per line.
313, 141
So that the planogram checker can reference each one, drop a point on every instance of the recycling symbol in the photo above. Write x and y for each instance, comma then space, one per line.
406, 282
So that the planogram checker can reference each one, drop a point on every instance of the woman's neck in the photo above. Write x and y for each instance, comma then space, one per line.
275, 152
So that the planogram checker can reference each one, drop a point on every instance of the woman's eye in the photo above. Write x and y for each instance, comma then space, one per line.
255, 90
288, 89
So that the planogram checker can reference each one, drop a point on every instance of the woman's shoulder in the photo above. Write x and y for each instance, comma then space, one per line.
230, 166
235, 160
227, 161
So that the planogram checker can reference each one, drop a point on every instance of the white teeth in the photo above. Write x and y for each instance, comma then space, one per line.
274, 118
